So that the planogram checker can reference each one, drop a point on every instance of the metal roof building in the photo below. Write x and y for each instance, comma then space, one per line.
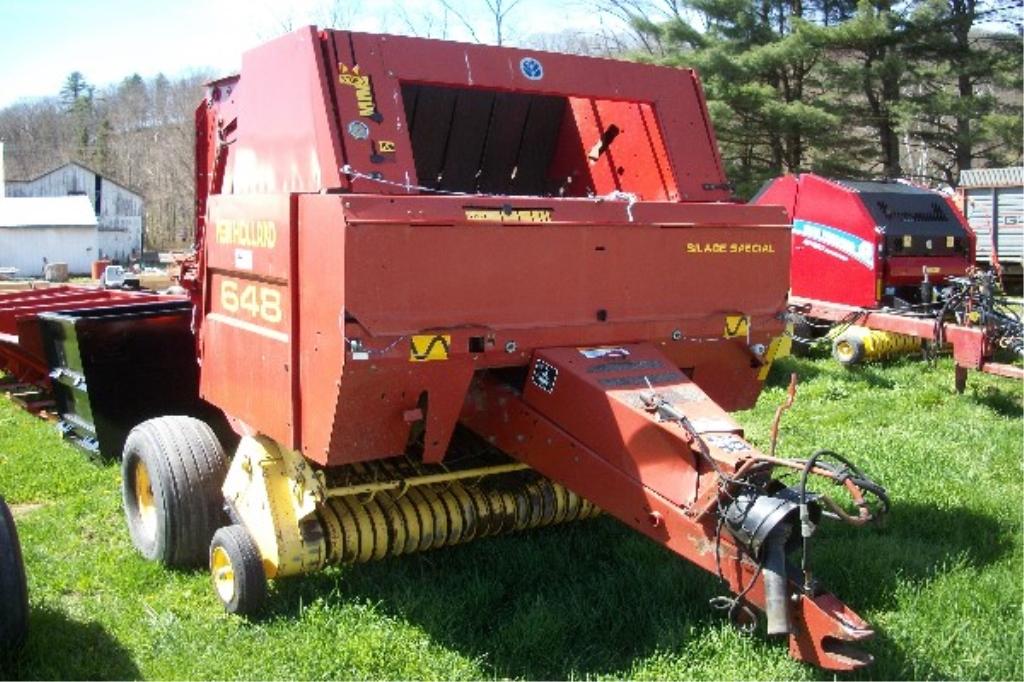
118, 209
1012, 176
993, 201
38, 230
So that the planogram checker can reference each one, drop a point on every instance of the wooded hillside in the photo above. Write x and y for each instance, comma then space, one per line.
920, 89
139, 133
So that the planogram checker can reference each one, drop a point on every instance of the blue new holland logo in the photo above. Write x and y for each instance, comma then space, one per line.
531, 68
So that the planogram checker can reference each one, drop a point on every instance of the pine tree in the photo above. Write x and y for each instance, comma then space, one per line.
760, 65
75, 89
966, 99
866, 73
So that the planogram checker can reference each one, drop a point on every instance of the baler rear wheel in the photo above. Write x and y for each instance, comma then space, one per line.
172, 471
13, 586
237, 570
847, 350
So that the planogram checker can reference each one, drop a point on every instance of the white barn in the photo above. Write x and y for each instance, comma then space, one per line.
39, 230
118, 210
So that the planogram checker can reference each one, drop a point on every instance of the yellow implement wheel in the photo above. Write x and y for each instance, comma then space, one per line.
223, 574
144, 498
848, 350
237, 571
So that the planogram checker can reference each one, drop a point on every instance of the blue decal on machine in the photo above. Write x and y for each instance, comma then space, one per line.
834, 239
531, 68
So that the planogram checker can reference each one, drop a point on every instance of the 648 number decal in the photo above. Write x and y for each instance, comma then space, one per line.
256, 300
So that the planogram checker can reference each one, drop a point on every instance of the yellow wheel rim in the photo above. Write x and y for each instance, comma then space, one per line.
144, 499
844, 350
223, 574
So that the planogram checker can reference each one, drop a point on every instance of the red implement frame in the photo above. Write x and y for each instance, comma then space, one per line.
971, 348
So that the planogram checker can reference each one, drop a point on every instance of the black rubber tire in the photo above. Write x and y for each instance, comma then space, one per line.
852, 354
186, 466
13, 587
249, 579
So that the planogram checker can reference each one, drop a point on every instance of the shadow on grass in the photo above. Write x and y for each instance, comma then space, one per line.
868, 375
59, 648
594, 598
1005, 400
778, 376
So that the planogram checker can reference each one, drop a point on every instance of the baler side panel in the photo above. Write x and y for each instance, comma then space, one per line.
288, 140
321, 266
552, 276
248, 325
399, 283
834, 234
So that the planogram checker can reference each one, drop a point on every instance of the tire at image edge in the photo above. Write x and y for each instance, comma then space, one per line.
13, 586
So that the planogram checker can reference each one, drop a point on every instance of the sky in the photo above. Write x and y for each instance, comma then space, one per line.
42, 41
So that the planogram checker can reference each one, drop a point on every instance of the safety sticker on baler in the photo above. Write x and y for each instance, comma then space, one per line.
363, 88
736, 325
544, 376
830, 240
426, 347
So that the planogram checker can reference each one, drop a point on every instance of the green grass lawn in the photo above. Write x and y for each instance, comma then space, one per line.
941, 582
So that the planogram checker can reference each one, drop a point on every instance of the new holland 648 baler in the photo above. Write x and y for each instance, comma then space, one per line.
445, 291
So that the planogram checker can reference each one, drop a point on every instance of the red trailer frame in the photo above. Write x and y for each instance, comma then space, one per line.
21, 346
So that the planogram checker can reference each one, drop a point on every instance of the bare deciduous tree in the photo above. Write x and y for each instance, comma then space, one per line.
499, 11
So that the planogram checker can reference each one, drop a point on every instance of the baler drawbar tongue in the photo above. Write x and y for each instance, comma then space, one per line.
637, 437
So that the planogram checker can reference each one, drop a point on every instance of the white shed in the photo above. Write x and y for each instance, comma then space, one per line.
117, 208
39, 230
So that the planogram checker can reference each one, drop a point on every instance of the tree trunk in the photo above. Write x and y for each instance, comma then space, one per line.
963, 125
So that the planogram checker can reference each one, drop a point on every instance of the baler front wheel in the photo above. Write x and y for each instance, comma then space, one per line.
13, 587
237, 569
172, 470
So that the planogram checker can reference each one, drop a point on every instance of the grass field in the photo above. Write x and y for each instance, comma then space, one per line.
941, 582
